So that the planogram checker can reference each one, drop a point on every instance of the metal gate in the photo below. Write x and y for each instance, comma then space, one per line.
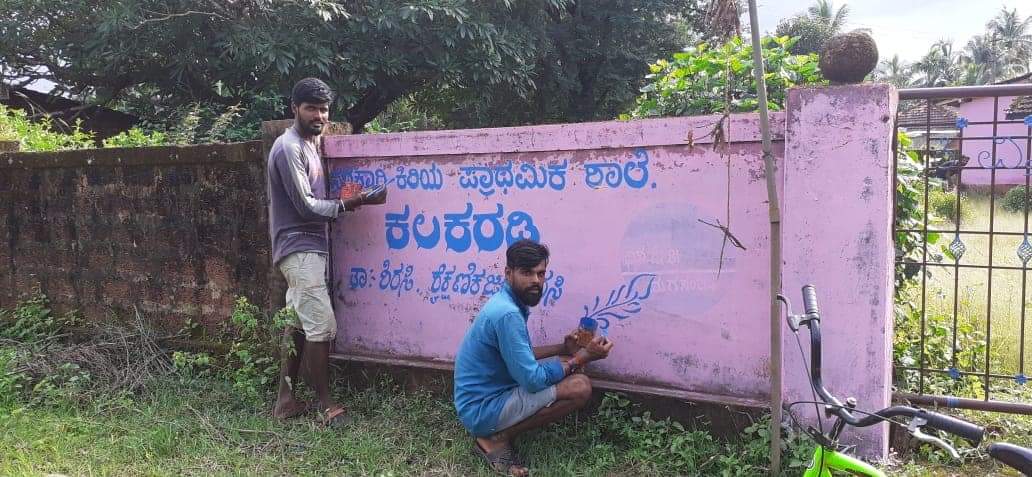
963, 170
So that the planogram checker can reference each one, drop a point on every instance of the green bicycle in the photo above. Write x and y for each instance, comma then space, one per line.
829, 455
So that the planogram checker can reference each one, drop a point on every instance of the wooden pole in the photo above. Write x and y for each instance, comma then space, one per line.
775, 247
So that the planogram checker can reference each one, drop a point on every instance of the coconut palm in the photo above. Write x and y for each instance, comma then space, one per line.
938, 67
824, 12
895, 72
983, 60
1014, 36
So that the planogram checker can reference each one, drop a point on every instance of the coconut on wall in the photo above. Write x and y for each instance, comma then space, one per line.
849, 57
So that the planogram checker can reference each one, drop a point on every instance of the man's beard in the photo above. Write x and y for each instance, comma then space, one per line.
311, 129
529, 296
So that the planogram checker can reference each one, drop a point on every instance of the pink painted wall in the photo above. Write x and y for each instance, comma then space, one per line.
639, 229
838, 236
1011, 143
620, 204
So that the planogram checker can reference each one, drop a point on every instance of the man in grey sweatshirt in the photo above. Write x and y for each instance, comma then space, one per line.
299, 213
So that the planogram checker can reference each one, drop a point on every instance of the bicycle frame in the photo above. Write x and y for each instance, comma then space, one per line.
829, 460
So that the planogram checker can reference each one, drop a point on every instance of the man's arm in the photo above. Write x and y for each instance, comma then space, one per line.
295, 181
547, 351
519, 358
567, 348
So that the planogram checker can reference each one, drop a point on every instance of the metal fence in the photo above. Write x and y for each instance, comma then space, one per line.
966, 251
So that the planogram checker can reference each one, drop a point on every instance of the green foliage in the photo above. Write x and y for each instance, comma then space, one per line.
910, 177
12, 382
810, 34
938, 352
1017, 199
208, 122
589, 66
669, 448
191, 365
944, 204
372, 52
404, 115
31, 320
252, 363
136, 137
40, 135
700, 79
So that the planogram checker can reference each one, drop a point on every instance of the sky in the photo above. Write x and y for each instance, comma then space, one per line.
904, 27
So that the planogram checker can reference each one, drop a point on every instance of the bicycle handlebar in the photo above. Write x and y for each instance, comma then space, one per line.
810, 301
934, 420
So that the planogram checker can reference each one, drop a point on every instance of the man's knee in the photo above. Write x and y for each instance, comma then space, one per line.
580, 387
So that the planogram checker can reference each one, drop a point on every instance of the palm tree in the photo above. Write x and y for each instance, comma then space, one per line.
938, 67
895, 72
824, 12
1015, 37
983, 60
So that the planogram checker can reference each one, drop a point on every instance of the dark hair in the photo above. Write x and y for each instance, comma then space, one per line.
312, 91
525, 254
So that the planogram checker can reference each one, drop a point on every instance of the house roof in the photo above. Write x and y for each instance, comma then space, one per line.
1020, 107
1025, 78
104, 122
917, 115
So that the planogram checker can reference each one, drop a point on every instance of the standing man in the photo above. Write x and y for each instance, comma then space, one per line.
501, 387
299, 214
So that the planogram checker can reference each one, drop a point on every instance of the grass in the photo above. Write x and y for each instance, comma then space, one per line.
970, 288
199, 425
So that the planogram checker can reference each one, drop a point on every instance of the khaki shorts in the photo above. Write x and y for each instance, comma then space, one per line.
307, 295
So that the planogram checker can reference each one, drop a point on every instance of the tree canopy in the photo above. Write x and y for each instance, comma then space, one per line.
506, 61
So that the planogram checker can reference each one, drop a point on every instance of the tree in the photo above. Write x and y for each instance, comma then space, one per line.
708, 79
824, 12
895, 72
174, 52
815, 27
983, 60
589, 65
1015, 39
938, 67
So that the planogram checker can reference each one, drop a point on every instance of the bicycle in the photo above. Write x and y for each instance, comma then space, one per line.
828, 454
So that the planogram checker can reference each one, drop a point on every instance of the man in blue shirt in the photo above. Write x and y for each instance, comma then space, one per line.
503, 386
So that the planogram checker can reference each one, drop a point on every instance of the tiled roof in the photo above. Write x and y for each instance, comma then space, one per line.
917, 115
1020, 107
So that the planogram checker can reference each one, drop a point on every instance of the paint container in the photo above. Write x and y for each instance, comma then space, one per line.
586, 331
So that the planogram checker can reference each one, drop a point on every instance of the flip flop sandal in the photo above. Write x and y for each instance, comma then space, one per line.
500, 460
336, 417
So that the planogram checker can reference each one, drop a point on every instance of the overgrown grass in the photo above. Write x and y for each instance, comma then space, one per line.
968, 289
75, 418
200, 426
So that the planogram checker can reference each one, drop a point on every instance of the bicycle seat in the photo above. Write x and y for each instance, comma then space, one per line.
1015, 456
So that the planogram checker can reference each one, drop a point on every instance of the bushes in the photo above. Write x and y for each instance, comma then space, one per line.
1015, 199
944, 205
699, 79
40, 136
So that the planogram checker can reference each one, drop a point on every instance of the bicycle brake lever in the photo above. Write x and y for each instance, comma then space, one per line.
915, 430
793, 320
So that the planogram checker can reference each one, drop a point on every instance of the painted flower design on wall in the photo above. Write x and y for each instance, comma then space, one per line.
623, 302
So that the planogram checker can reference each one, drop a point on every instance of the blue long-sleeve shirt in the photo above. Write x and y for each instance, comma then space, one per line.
495, 357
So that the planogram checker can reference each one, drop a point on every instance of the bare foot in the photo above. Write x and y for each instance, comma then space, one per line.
290, 408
